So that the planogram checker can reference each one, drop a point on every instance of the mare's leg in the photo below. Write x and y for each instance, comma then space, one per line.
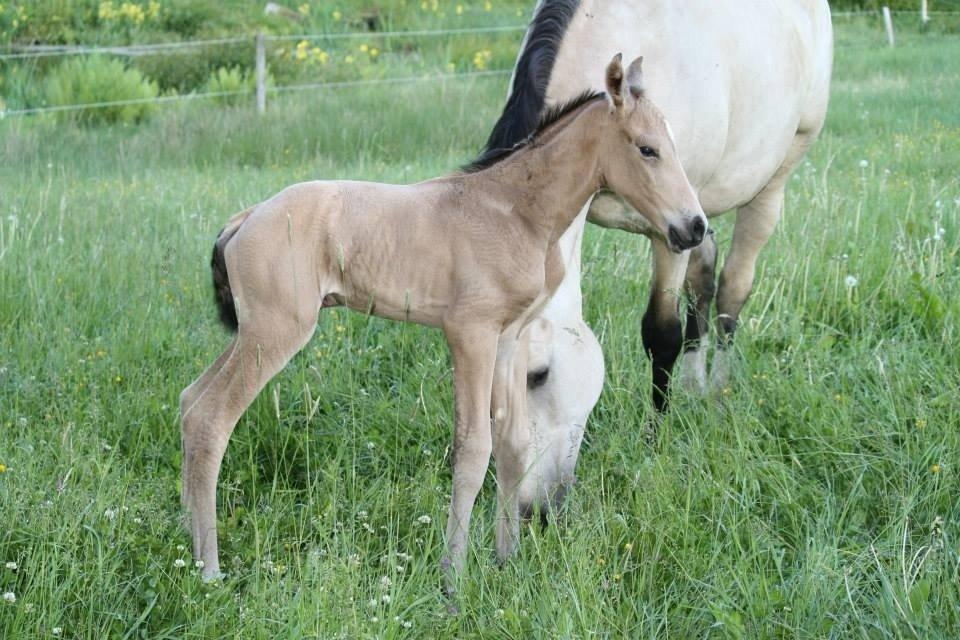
260, 350
755, 223
511, 435
701, 287
474, 352
661, 328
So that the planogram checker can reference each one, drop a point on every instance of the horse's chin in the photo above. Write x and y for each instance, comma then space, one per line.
552, 500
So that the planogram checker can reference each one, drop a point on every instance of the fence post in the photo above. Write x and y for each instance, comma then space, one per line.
261, 66
888, 22
924, 13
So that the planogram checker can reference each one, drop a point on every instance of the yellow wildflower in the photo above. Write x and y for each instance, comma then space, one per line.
459, 9
302, 47
336, 15
106, 11
488, 6
153, 9
132, 12
935, 468
348, 59
364, 48
374, 52
304, 9
3, 468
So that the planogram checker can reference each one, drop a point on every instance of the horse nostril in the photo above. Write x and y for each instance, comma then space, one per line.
698, 229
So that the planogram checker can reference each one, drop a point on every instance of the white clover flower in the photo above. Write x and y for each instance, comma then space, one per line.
371, 446
179, 563
850, 281
407, 624
374, 619
110, 514
385, 598
56, 631
372, 603
138, 520
362, 515
13, 566
864, 164
424, 519
10, 596
181, 548
198, 564
385, 582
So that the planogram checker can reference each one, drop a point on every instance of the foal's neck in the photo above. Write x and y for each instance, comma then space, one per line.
557, 173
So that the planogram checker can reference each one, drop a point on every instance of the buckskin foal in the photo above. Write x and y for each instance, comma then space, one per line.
473, 253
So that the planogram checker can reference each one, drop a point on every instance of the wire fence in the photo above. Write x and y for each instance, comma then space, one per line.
262, 89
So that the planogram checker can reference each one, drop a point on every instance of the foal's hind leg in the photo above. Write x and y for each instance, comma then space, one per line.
259, 353
701, 287
755, 223
189, 397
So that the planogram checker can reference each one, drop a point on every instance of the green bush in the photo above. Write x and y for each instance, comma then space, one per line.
98, 79
230, 79
187, 70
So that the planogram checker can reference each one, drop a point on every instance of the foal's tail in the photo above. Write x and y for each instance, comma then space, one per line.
222, 294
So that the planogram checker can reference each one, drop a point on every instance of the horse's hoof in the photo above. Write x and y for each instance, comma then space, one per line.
651, 431
720, 372
213, 577
693, 372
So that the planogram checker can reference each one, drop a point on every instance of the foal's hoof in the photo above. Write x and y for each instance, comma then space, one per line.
213, 577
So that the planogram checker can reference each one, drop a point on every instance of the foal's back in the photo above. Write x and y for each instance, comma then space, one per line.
405, 252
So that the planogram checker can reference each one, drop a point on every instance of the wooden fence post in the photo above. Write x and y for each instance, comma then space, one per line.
261, 67
888, 22
924, 13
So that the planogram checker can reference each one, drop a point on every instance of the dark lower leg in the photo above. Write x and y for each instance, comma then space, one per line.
662, 340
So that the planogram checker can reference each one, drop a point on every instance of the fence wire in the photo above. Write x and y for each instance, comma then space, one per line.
173, 47
282, 89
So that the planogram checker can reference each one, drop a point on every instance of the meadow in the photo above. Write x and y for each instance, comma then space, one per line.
815, 497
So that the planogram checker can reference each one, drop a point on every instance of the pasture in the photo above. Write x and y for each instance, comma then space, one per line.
815, 497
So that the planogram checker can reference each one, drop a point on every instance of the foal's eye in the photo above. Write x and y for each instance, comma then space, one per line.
648, 152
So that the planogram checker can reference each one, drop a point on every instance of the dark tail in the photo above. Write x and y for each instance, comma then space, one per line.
222, 294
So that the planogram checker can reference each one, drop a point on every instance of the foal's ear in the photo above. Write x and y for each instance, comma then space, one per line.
615, 80
635, 78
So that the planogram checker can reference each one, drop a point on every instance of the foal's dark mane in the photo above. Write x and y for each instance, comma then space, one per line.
491, 156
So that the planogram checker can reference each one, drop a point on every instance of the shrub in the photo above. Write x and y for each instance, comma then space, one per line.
188, 69
99, 79
229, 79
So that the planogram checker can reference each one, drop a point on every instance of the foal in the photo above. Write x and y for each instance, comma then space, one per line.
474, 253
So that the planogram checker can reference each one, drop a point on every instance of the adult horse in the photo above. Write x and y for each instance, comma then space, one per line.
744, 84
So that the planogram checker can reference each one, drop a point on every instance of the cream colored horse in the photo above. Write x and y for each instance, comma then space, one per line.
475, 254
744, 85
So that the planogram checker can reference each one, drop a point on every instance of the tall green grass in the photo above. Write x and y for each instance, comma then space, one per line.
815, 497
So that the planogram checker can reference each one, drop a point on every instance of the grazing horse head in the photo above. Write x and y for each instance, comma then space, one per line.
642, 165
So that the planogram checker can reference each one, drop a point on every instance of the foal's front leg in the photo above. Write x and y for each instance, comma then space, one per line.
474, 352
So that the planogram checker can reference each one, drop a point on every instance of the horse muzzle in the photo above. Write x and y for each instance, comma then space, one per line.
687, 235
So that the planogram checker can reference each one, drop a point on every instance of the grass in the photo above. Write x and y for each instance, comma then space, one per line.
815, 497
